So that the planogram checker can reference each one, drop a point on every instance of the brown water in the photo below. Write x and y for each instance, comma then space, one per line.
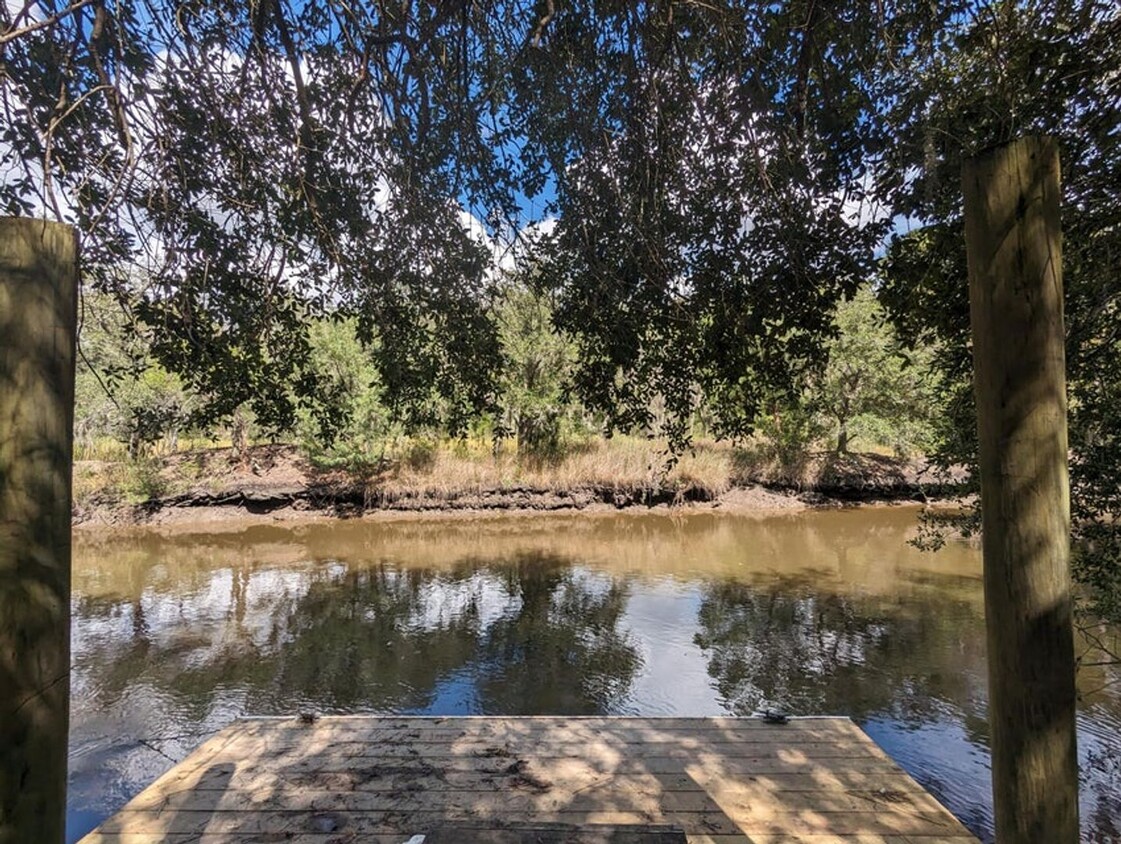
817, 613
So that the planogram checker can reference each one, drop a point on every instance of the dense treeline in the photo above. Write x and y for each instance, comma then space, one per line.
871, 394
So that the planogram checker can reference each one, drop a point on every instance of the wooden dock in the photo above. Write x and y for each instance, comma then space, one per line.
387, 780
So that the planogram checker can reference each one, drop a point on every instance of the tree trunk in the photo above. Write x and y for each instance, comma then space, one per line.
843, 438
38, 304
1013, 244
239, 435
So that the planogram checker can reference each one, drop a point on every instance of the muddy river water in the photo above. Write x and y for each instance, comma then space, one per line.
830, 612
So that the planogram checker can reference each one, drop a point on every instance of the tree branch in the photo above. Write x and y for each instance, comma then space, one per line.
13, 34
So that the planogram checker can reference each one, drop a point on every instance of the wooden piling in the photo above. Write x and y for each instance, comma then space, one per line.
38, 305
1013, 243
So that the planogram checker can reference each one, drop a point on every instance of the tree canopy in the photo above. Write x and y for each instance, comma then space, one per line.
237, 168
695, 183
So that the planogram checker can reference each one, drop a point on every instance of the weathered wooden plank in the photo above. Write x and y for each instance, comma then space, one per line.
398, 838
440, 730
262, 779
739, 726
520, 794
540, 722
290, 734
535, 833
296, 822
571, 773
707, 722
336, 735
590, 767
245, 746
716, 821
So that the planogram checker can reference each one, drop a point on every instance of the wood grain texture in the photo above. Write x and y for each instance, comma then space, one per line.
374, 779
1014, 253
38, 306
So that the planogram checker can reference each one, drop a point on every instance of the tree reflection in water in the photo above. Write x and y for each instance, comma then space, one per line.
368, 639
814, 652
562, 652
534, 634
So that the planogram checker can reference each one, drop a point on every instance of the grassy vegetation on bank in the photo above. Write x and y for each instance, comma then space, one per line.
447, 470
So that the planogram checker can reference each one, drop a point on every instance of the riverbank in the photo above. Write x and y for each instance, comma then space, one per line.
278, 483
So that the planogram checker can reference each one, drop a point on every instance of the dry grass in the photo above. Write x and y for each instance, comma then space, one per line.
451, 469
421, 468
625, 463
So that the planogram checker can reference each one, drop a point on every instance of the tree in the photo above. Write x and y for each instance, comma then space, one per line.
704, 225
239, 169
348, 422
871, 386
705, 213
538, 361
120, 392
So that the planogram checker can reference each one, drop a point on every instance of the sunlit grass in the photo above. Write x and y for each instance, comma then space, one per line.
630, 463
446, 468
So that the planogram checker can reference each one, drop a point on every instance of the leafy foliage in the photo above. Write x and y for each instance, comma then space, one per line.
351, 425
538, 364
239, 170
873, 387
1056, 65
705, 222
119, 391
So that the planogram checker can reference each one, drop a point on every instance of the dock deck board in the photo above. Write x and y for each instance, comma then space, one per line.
375, 780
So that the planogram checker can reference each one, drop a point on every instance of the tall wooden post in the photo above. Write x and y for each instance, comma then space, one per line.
38, 304
1013, 243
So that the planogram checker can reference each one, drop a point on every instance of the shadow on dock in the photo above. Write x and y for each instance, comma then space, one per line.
386, 780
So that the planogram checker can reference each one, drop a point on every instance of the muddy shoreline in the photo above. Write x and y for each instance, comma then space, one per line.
276, 483
270, 503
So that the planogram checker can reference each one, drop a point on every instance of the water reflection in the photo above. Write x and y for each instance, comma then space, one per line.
176, 634
787, 645
562, 651
532, 634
